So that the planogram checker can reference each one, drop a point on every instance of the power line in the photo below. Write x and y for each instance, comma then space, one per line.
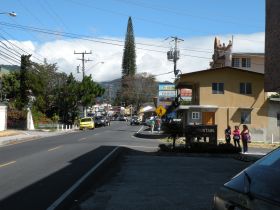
4, 59
181, 13
71, 35
19, 48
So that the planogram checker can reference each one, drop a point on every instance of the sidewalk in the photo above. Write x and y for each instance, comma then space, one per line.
8, 137
163, 183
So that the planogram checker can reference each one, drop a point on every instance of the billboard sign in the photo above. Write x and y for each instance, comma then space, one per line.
166, 94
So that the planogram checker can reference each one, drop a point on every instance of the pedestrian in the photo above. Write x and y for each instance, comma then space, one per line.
245, 137
228, 134
158, 123
236, 136
152, 123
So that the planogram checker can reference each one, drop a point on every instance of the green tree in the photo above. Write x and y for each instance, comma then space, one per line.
129, 54
25, 65
11, 85
89, 90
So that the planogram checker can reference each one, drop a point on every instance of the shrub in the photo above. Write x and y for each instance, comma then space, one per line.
201, 147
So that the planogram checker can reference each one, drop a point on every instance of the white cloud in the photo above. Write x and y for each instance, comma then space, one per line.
62, 53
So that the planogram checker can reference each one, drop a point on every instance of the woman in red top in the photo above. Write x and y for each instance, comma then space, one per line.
245, 137
236, 136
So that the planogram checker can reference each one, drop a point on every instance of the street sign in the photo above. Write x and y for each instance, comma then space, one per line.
160, 110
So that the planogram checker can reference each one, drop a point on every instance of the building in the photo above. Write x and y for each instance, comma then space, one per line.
272, 46
223, 56
230, 96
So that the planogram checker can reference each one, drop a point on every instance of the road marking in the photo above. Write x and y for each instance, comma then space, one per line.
82, 139
80, 181
6, 164
140, 129
54, 148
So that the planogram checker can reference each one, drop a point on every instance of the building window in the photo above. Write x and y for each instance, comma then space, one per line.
195, 115
246, 62
278, 119
235, 62
245, 117
217, 88
245, 88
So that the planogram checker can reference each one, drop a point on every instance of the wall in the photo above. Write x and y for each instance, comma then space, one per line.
231, 102
3, 117
272, 46
273, 128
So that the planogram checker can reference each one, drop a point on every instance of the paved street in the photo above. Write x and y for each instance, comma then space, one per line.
34, 174
164, 183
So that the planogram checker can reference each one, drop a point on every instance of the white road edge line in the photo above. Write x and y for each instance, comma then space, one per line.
54, 148
76, 185
82, 139
135, 146
8, 163
140, 129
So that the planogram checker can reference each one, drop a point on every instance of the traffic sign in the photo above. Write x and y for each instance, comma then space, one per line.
160, 110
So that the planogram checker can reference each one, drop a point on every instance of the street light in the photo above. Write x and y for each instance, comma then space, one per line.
12, 14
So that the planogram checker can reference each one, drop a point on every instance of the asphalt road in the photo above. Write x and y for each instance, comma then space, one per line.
34, 174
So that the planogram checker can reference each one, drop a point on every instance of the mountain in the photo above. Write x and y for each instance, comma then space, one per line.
111, 88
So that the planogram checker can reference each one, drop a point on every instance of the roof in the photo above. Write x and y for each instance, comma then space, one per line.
221, 68
248, 54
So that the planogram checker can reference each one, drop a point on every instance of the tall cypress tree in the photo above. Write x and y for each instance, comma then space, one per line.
129, 54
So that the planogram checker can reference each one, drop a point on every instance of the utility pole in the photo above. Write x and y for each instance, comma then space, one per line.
83, 60
174, 54
83, 70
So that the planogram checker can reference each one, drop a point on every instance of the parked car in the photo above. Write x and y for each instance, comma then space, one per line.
256, 187
99, 121
87, 122
135, 121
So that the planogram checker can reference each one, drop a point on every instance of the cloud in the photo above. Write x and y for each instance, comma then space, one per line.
195, 54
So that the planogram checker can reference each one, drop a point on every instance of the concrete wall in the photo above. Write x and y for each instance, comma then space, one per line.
272, 46
273, 131
3, 117
257, 62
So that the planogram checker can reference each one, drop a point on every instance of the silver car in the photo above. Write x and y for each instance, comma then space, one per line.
256, 187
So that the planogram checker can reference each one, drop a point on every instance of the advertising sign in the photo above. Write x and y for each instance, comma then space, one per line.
186, 94
166, 94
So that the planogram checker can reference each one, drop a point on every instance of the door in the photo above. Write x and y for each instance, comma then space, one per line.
208, 118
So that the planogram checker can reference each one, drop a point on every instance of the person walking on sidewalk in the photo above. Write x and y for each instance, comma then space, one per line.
245, 137
152, 123
236, 136
158, 123
228, 134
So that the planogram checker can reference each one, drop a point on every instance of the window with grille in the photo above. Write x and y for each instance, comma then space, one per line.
246, 62
235, 62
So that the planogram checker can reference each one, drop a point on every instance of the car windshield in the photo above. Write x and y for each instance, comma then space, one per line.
264, 178
86, 120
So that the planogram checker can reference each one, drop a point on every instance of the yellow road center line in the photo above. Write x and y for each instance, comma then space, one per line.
54, 148
82, 139
6, 164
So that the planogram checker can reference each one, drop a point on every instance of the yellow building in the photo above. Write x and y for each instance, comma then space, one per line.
226, 96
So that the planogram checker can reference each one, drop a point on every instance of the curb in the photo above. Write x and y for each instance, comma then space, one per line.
80, 186
150, 136
22, 139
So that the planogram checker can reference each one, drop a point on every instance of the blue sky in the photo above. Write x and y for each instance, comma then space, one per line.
196, 21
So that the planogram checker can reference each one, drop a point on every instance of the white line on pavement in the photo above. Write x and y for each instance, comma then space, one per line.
6, 164
78, 183
82, 139
54, 148
140, 129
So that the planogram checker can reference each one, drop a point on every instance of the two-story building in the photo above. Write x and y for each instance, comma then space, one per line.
229, 96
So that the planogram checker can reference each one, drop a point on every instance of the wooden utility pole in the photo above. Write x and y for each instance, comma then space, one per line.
83, 60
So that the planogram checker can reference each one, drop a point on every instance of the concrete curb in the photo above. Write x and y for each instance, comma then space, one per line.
16, 139
150, 136
85, 182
